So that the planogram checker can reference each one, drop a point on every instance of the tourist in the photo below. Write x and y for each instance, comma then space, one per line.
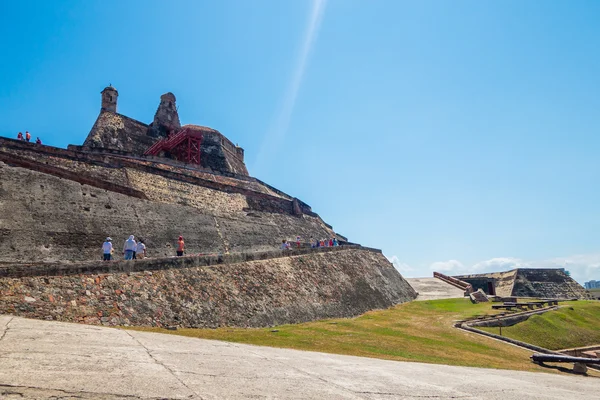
129, 248
322, 243
330, 242
180, 246
298, 241
27, 136
335, 242
312, 243
38, 141
107, 249
20, 136
285, 245
140, 250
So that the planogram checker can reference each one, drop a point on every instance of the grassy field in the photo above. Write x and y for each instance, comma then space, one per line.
417, 331
574, 325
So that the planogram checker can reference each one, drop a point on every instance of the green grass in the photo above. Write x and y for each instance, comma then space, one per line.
576, 324
417, 331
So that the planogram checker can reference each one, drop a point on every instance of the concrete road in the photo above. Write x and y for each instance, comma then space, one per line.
434, 289
44, 360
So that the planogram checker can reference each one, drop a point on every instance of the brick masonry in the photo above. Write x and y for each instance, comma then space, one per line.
195, 292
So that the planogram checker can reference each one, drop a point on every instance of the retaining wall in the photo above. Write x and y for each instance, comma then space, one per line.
203, 292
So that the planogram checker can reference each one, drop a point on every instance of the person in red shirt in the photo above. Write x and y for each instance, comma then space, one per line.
180, 246
298, 241
27, 136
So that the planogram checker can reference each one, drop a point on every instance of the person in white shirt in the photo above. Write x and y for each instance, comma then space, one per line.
140, 251
129, 248
107, 249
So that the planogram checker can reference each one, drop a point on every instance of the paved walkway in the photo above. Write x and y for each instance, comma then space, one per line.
43, 360
434, 289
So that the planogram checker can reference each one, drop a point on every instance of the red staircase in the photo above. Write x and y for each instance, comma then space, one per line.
183, 146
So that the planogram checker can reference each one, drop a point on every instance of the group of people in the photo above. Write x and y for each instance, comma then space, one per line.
134, 250
27, 137
333, 242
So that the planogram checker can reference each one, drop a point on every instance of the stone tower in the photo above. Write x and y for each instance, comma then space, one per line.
109, 99
166, 118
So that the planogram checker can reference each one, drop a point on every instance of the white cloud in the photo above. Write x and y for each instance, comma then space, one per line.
403, 268
448, 267
499, 264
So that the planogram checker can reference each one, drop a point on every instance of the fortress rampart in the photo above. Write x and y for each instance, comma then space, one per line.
251, 290
157, 182
552, 283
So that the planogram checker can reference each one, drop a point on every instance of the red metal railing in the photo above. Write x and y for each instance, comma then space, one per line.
184, 146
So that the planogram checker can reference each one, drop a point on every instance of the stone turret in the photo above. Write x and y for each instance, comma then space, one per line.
166, 118
109, 99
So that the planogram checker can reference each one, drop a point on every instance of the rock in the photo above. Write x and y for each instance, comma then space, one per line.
580, 368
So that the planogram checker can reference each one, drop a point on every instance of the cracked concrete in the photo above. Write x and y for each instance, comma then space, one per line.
43, 360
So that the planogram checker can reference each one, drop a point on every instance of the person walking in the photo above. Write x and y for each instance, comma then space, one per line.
140, 250
20, 136
107, 249
27, 136
180, 246
298, 241
312, 243
129, 248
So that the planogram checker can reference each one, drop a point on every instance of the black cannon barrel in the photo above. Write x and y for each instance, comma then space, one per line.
538, 357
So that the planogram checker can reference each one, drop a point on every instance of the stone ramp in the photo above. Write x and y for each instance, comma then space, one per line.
434, 289
53, 360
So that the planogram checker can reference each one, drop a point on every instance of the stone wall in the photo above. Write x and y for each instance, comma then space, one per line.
187, 292
45, 217
529, 282
119, 132
548, 283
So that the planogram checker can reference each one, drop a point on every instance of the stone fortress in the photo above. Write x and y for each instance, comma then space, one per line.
159, 181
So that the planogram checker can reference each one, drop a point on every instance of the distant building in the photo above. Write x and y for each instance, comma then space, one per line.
592, 285
552, 283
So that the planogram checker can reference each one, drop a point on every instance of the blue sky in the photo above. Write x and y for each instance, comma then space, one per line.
461, 136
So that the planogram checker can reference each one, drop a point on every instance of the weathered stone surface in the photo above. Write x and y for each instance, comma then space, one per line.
528, 282
166, 119
434, 289
118, 132
279, 290
46, 218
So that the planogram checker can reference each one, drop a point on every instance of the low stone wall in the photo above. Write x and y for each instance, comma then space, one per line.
510, 319
194, 292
